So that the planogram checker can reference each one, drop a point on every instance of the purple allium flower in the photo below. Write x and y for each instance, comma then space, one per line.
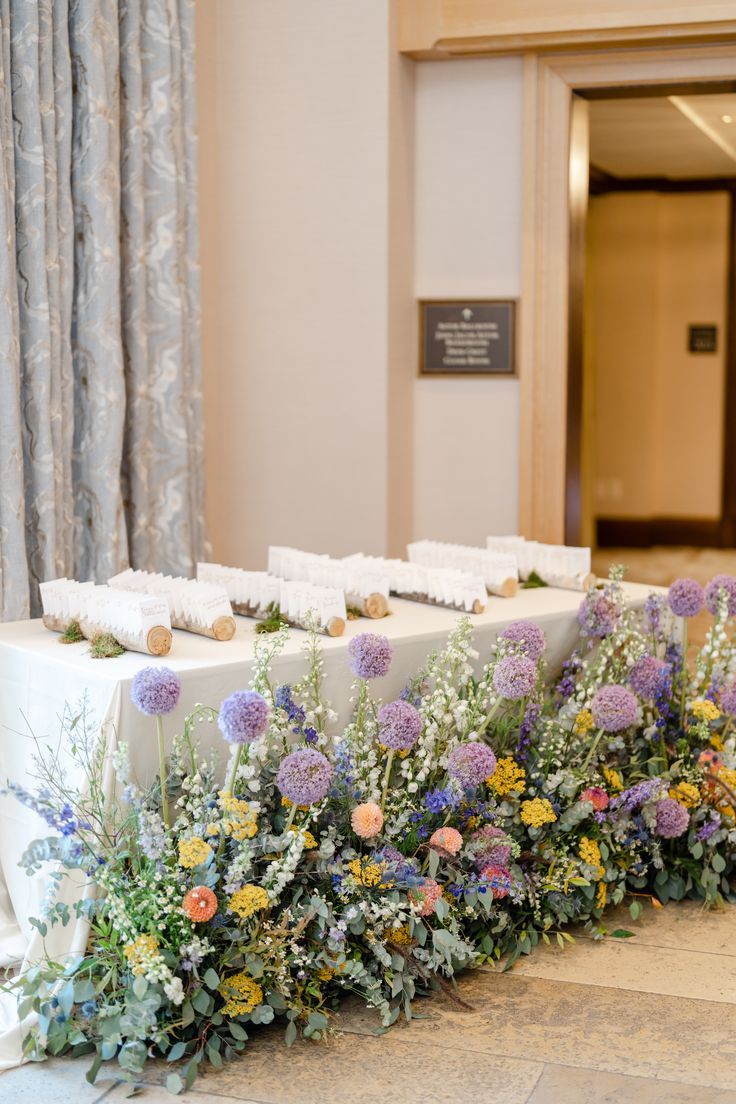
243, 717
370, 655
529, 637
714, 588
672, 818
304, 776
727, 699
709, 827
490, 845
648, 676
638, 794
685, 597
155, 690
399, 726
471, 763
614, 708
515, 677
598, 614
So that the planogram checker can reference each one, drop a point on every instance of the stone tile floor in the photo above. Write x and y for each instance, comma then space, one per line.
650, 1019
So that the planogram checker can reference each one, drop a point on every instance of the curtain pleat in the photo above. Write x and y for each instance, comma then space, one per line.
100, 408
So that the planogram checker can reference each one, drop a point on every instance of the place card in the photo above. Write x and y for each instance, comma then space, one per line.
138, 621
563, 566
365, 587
195, 606
497, 569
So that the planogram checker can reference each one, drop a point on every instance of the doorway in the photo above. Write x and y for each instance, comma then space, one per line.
651, 368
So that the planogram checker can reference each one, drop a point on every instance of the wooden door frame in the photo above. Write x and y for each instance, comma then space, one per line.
549, 408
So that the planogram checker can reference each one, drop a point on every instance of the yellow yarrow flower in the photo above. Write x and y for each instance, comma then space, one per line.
507, 777
704, 710
212, 830
193, 852
247, 900
613, 778
242, 994
716, 742
584, 722
686, 793
365, 872
401, 936
537, 812
140, 952
589, 852
601, 895
309, 841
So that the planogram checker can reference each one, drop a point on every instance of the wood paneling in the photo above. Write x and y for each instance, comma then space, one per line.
436, 29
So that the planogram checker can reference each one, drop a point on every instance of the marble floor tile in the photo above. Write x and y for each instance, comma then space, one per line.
684, 925
642, 1034
52, 1082
623, 964
563, 1085
354, 1069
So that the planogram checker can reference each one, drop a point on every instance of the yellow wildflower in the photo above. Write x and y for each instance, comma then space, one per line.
507, 777
309, 841
704, 710
590, 852
584, 722
365, 872
248, 900
212, 830
401, 936
687, 794
716, 742
613, 778
601, 895
193, 852
140, 952
537, 812
242, 994
242, 829
287, 804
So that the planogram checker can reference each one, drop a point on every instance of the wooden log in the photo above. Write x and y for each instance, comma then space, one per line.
478, 606
55, 624
570, 582
334, 627
374, 605
157, 641
245, 609
509, 588
222, 628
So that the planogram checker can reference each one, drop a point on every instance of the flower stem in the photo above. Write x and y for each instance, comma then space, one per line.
234, 771
684, 673
386, 777
290, 821
162, 770
591, 750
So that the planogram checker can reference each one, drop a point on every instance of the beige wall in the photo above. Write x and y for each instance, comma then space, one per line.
468, 243
339, 180
656, 263
306, 293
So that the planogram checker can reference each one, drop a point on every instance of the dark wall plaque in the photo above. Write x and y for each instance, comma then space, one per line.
702, 339
469, 337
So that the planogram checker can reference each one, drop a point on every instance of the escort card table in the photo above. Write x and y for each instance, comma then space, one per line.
40, 678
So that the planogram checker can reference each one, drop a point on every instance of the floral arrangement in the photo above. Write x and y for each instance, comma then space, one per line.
458, 825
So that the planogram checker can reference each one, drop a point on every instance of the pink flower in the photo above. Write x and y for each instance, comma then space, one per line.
498, 880
448, 840
425, 896
597, 797
367, 820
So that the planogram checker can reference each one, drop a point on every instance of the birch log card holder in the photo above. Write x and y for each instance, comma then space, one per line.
197, 607
556, 565
436, 586
365, 585
138, 622
251, 593
497, 569
309, 606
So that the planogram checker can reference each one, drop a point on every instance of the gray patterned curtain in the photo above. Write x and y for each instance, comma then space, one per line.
100, 409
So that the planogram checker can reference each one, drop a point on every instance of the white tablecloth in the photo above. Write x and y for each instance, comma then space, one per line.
38, 676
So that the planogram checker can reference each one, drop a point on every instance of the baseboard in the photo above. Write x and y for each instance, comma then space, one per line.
643, 532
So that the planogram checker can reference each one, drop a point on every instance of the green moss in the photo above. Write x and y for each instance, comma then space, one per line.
273, 620
533, 581
105, 646
72, 635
